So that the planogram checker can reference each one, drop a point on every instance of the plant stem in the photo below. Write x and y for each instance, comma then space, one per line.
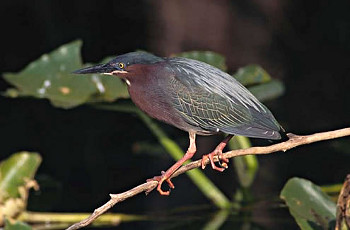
217, 220
106, 219
334, 188
245, 166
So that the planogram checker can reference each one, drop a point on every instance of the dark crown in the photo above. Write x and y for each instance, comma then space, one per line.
138, 57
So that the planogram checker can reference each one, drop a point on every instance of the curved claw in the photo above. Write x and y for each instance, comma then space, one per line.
222, 160
159, 187
160, 180
223, 164
166, 175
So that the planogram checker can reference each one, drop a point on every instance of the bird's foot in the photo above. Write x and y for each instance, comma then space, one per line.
160, 180
222, 160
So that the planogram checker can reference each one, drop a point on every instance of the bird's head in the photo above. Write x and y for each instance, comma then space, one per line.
122, 64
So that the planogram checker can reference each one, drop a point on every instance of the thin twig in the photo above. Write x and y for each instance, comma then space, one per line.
294, 141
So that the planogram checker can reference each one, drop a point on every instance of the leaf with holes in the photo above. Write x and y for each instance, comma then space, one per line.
50, 77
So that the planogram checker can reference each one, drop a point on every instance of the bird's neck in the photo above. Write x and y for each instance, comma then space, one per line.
147, 88
142, 76
142, 80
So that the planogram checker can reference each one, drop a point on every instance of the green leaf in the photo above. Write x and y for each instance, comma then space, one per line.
15, 172
16, 178
260, 83
51, 77
252, 75
208, 57
267, 91
18, 225
310, 207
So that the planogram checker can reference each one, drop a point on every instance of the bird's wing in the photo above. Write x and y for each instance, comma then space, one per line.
213, 100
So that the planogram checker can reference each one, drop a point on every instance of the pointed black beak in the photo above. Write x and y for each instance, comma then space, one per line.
101, 68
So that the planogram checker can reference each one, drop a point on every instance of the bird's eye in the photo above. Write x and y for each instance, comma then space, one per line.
121, 65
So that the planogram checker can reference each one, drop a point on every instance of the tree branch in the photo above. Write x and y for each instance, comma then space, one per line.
294, 141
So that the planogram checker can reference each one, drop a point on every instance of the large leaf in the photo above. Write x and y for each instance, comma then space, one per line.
310, 207
208, 57
267, 91
50, 77
16, 178
252, 75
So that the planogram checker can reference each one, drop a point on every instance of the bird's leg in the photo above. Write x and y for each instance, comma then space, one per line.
166, 175
217, 152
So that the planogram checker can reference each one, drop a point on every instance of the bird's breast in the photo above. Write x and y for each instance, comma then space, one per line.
150, 90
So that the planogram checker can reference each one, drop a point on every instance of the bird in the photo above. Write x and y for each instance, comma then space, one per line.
192, 96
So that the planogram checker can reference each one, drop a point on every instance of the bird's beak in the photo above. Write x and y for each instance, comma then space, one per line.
101, 68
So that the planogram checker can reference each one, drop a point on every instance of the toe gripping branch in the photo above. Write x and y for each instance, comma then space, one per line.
160, 180
190, 152
166, 175
222, 160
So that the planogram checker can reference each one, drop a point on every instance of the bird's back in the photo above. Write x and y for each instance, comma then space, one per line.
212, 101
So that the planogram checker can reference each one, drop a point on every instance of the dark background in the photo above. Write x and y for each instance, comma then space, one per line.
88, 154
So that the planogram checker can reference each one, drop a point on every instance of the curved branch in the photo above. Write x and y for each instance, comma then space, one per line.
294, 141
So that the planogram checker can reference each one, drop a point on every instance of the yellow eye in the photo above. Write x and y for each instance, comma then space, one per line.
121, 65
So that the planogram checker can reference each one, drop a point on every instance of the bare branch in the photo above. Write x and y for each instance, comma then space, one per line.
294, 141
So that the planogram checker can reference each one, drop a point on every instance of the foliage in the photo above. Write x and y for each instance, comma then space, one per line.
252, 75
310, 207
50, 77
16, 225
209, 57
16, 178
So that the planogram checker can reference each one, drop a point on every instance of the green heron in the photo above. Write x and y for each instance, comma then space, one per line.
192, 96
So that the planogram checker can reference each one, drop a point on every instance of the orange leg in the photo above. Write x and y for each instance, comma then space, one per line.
217, 152
166, 175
